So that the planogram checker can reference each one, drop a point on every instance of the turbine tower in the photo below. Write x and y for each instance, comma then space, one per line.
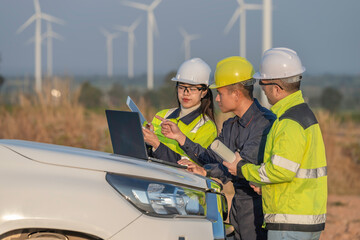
151, 26
187, 39
109, 48
49, 35
131, 40
37, 18
240, 13
267, 40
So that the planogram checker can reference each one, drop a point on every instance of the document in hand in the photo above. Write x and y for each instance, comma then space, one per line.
132, 106
224, 152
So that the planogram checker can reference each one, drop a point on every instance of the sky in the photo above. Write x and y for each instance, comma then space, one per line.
325, 34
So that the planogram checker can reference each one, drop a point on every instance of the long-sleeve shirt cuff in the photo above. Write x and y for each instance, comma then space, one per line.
239, 166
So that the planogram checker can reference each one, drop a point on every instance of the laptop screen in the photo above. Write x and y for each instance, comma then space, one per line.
126, 134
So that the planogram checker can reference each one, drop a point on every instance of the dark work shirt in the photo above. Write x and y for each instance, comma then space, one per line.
247, 135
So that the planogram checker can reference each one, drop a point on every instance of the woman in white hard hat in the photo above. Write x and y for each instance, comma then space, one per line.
194, 116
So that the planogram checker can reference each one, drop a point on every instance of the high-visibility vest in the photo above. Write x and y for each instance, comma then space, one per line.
294, 173
200, 130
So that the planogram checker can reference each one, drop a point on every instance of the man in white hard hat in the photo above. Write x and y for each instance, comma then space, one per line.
293, 175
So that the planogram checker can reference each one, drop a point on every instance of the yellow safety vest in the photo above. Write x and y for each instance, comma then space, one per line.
199, 130
294, 173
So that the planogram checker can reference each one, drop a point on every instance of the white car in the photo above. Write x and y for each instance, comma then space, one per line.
56, 192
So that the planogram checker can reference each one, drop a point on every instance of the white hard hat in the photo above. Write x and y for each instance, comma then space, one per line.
194, 71
279, 63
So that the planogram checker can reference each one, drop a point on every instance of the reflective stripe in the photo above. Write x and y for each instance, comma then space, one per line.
311, 173
262, 173
199, 124
285, 163
297, 219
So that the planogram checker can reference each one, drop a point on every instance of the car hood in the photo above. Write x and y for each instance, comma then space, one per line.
101, 161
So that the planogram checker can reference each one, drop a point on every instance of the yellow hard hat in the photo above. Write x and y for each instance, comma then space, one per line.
232, 70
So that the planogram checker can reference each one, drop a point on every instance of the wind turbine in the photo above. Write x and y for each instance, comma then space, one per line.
151, 26
240, 13
49, 35
131, 39
37, 18
267, 40
187, 39
109, 47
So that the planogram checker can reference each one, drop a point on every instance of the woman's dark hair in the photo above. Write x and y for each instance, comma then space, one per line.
207, 103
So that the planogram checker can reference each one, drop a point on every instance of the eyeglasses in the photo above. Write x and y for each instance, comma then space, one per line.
261, 83
189, 89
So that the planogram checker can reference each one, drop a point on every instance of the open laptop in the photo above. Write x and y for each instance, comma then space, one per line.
127, 138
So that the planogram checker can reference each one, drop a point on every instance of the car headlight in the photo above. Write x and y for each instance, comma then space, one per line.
159, 199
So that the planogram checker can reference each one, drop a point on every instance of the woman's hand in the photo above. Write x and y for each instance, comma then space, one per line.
150, 137
171, 130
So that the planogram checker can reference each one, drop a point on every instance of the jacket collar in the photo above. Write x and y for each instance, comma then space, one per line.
186, 119
248, 116
289, 101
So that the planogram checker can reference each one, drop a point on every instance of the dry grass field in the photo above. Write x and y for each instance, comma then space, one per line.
64, 121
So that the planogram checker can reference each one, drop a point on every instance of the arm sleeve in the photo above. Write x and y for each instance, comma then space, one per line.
165, 153
283, 158
199, 154
204, 136
217, 170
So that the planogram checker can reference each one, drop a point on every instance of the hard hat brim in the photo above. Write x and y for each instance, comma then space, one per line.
258, 75
214, 86
192, 82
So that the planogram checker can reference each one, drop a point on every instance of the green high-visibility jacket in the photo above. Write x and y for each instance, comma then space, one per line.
197, 128
294, 174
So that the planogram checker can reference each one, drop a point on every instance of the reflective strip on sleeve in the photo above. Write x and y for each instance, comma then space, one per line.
295, 219
285, 163
312, 173
262, 173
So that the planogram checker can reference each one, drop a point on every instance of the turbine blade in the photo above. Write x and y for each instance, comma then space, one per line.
183, 32
253, 6
37, 6
26, 24
50, 18
135, 24
136, 5
121, 28
155, 4
232, 20
104, 32
57, 36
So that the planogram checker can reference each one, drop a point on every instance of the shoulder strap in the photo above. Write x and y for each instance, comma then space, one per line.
301, 114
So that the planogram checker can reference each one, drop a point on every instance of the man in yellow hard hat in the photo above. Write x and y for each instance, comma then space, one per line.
244, 133
293, 176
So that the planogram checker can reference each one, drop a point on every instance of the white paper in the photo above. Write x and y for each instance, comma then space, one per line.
224, 152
